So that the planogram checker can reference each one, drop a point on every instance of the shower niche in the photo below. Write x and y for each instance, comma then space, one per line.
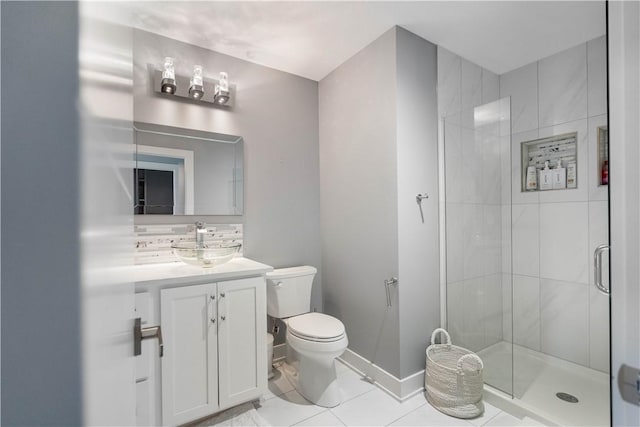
603, 155
549, 163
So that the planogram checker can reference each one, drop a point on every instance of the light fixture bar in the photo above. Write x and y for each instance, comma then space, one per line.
182, 92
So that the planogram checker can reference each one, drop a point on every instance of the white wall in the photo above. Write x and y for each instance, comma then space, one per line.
556, 307
106, 235
624, 84
277, 115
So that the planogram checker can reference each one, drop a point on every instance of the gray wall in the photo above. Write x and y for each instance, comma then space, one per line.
417, 159
378, 149
41, 367
358, 174
277, 115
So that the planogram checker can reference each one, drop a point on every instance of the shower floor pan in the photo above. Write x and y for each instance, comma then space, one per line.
537, 379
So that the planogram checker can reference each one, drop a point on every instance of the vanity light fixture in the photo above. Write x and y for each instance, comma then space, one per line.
196, 85
221, 95
169, 76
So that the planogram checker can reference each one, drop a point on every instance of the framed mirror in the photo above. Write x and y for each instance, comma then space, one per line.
187, 172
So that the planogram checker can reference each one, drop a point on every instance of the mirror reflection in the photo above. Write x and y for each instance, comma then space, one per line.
187, 172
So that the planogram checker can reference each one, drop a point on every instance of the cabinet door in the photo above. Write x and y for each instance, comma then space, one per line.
144, 404
189, 365
241, 340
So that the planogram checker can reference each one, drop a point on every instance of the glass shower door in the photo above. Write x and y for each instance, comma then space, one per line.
477, 163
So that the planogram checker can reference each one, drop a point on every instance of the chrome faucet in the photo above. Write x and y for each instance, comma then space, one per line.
201, 230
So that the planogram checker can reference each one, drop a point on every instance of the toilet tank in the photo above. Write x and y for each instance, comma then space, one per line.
289, 291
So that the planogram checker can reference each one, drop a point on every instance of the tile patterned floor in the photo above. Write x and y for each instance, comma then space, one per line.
364, 405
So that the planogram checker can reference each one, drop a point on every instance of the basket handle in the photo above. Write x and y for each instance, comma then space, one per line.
470, 356
444, 332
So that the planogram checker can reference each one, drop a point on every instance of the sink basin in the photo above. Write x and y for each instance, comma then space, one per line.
207, 256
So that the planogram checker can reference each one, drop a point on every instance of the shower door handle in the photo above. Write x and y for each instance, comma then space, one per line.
597, 269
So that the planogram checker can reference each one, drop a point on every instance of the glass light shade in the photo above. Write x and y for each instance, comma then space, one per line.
222, 94
168, 76
196, 78
224, 81
169, 70
196, 86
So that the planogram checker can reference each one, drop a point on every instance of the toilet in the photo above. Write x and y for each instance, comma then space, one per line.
314, 340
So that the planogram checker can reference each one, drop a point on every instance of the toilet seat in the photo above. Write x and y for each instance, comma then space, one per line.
316, 327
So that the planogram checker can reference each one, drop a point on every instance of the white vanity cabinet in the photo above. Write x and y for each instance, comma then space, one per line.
214, 337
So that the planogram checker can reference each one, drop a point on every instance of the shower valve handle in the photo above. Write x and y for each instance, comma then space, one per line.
387, 283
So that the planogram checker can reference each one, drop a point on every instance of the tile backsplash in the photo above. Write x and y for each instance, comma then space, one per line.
153, 242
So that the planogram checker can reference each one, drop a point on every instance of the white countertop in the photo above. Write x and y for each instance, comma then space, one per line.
177, 273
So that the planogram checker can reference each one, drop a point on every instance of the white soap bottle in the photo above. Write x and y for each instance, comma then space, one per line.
559, 177
546, 178
532, 178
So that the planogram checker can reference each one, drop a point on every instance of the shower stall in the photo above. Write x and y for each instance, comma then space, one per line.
518, 272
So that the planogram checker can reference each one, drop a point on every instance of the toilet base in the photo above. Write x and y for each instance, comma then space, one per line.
321, 389
313, 371
321, 393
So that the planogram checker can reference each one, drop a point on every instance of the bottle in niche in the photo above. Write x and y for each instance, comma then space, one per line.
572, 181
532, 178
546, 177
559, 177
604, 178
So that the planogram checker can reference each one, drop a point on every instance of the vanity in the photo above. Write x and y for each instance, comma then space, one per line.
213, 318
213, 323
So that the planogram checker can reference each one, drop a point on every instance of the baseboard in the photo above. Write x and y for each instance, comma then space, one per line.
400, 389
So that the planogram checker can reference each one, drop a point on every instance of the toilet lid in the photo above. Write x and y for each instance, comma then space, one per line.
315, 326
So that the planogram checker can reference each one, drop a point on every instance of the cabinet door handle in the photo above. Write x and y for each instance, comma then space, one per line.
221, 294
213, 320
213, 297
140, 333
223, 317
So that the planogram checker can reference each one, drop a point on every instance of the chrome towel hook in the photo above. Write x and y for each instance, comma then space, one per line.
420, 197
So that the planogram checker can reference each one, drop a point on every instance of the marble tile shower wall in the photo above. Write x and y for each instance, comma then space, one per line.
153, 242
556, 308
473, 165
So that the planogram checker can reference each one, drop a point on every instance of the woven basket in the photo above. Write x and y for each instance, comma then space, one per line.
453, 379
